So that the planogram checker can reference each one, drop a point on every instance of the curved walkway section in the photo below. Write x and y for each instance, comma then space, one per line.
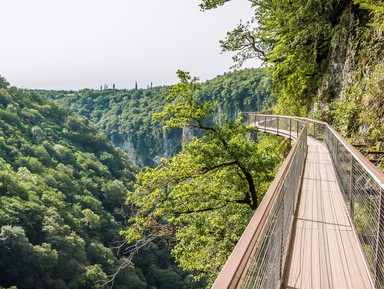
325, 250
321, 222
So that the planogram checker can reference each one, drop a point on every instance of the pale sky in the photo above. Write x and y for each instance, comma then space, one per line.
75, 44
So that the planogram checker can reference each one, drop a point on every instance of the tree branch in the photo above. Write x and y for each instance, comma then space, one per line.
201, 126
251, 186
252, 41
246, 200
156, 231
208, 169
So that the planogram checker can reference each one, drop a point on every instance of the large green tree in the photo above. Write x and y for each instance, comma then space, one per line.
202, 198
325, 57
294, 38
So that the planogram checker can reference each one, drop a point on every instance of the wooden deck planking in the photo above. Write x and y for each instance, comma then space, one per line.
325, 253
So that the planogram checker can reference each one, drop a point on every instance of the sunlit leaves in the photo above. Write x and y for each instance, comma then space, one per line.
56, 195
376, 7
202, 197
209, 4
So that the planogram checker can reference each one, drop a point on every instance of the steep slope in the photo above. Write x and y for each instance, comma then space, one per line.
326, 59
126, 115
62, 192
351, 91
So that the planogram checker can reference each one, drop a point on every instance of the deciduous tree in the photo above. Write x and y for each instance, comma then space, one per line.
203, 197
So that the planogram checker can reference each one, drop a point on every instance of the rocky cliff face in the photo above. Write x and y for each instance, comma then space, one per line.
126, 116
338, 74
169, 142
351, 91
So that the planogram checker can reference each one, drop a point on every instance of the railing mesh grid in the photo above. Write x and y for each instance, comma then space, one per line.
264, 268
363, 192
362, 188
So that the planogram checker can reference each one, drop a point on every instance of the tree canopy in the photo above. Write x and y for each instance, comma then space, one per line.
62, 192
325, 58
126, 115
3, 82
202, 198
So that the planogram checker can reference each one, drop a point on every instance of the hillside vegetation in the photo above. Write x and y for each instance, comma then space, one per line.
203, 197
326, 58
62, 192
126, 115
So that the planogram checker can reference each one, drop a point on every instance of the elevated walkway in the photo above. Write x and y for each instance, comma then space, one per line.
321, 222
324, 252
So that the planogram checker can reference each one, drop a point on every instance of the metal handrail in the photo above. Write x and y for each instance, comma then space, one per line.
267, 235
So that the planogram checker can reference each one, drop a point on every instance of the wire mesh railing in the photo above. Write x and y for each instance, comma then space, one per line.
362, 186
259, 257
280, 125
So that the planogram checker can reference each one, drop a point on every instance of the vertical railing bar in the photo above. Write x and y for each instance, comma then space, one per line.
265, 123
379, 241
282, 243
297, 128
351, 187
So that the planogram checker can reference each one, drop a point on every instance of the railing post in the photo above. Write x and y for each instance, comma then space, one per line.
277, 125
337, 150
351, 185
281, 244
297, 128
314, 130
379, 242
290, 129
265, 123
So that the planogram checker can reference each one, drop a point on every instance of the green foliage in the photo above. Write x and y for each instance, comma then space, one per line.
239, 91
325, 58
299, 35
203, 197
62, 193
246, 41
376, 8
3, 82
209, 4
13, 240
126, 116
294, 37
42, 176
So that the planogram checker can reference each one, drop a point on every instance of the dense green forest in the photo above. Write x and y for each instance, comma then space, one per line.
66, 193
203, 197
64, 186
126, 115
325, 57
62, 194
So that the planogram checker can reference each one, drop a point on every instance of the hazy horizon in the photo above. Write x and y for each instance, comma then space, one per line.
85, 44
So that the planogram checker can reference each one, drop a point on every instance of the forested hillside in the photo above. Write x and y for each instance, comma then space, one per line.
66, 192
62, 192
202, 198
326, 58
126, 115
